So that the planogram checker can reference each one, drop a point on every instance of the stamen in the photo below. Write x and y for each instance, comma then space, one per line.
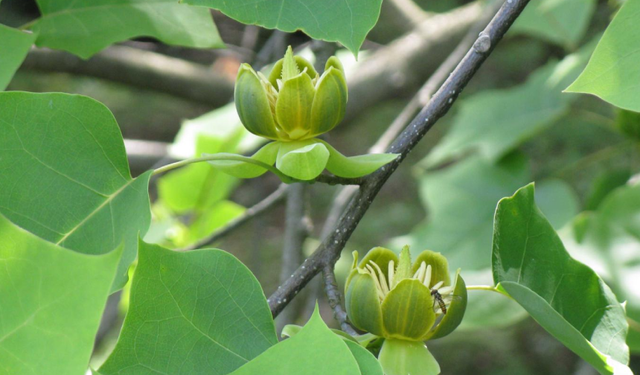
438, 285
445, 290
420, 272
391, 274
383, 280
427, 277
372, 272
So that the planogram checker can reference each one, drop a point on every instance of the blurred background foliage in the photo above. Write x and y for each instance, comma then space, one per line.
512, 125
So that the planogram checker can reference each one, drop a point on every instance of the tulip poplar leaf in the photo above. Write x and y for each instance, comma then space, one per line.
608, 241
344, 21
86, 27
366, 361
314, 350
562, 22
66, 177
613, 73
566, 297
13, 49
191, 312
51, 302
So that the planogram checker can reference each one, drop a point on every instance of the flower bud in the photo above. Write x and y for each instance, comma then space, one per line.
294, 103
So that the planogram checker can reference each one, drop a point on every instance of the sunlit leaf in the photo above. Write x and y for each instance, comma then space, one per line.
198, 312
344, 21
608, 240
51, 301
13, 49
65, 175
613, 72
566, 297
86, 27
314, 350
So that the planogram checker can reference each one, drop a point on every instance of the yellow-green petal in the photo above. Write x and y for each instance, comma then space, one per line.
407, 311
363, 305
380, 256
400, 357
455, 312
330, 102
335, 63
293, 108
252, 104
439, 266
276, 72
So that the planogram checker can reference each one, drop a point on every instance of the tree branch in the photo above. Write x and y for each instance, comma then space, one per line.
329, 251
139, 68
387, 73
297, 228
398, 68
336, 180
334, 297
259, 208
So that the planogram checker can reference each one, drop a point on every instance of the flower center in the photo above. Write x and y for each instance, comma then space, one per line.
442, 295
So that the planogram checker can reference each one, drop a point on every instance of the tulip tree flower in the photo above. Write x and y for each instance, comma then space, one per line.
406, 304
291, 107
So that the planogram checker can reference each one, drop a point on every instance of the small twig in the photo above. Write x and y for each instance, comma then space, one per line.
334, 297
264, 205
329, 250
336, 180
297, 229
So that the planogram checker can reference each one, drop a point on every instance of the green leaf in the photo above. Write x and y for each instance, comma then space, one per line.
14, 48
209, 221
367, 363
242, 169
197, 187
493, 123
614, 69
303, 160
347, 22
355, 166
66, 177
563, 22
315, 350
608, 241
566, 297
51, 302
191, 313
84, 27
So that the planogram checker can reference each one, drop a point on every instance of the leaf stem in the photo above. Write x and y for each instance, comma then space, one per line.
284, 178
488, 288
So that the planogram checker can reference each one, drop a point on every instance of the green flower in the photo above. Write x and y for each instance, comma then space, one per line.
294, 103
406, 303
292, 107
